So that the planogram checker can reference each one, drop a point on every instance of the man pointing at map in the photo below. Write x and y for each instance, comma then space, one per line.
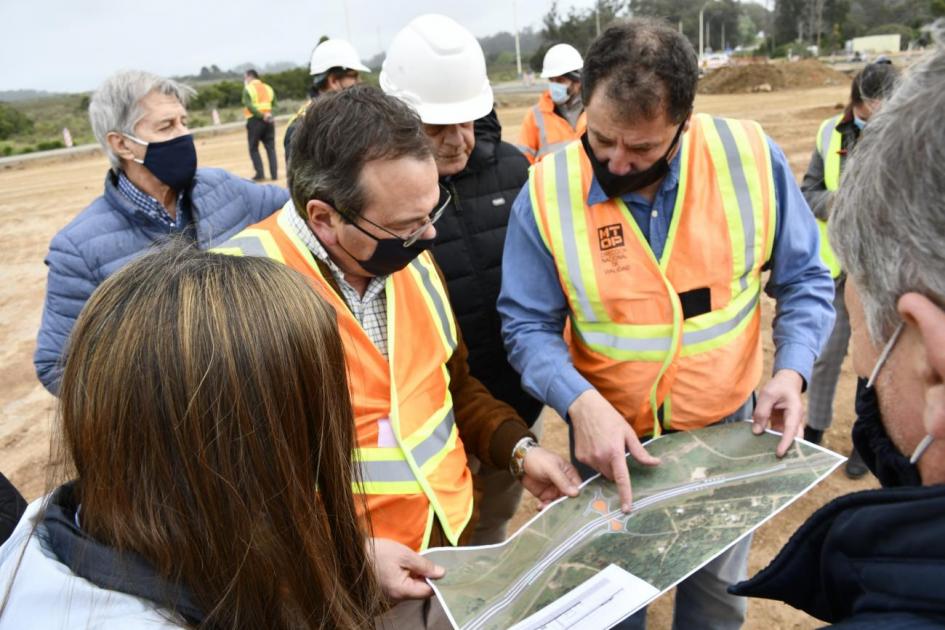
649, 236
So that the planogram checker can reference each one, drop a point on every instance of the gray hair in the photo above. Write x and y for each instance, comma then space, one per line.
888, 222
116, 105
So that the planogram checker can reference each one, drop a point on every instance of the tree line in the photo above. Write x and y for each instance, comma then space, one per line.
728, 24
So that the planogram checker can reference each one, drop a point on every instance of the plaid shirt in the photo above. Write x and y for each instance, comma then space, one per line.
151, 206
369, 309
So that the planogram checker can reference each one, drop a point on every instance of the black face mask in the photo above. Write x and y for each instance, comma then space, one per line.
390, 255
619, 185
878, 451
174, 161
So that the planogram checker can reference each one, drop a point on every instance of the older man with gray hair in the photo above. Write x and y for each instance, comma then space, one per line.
876, 559
153, 190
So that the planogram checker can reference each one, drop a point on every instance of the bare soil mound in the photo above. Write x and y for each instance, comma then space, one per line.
767, 77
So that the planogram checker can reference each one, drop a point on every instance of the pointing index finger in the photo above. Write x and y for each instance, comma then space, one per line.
622, 478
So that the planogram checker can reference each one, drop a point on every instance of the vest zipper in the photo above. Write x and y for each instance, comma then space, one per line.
462, 227
459, 212
455, 197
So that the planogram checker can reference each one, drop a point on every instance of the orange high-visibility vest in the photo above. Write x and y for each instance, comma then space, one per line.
629, 337
543, 131
412, 462
262, 95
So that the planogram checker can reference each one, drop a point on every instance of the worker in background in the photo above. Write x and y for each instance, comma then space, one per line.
835, 141
365, 198
649, 237
258, 100
559, 117
483, 175
875, 559
335, 65
152, 190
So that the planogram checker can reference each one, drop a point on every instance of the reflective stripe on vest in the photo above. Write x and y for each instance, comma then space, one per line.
553, 132
299, 113
528, 151
584, 251
260, 95
545, 147
425, 473
829, 137
540, 125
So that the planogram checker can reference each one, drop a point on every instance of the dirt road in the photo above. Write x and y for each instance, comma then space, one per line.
38, 199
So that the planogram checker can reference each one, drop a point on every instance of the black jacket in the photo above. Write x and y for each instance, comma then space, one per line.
469, 242
873, 559
12, 506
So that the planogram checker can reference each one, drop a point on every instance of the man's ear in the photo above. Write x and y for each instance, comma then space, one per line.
926, 316
322, 219
119, 145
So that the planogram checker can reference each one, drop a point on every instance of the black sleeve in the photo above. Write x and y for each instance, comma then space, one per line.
12, 506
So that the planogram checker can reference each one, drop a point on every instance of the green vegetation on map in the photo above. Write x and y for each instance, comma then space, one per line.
714, 485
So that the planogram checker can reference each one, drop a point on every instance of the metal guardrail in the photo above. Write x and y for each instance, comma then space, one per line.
96, 149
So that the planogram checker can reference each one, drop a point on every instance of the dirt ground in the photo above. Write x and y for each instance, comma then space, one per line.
768, 77
37, 199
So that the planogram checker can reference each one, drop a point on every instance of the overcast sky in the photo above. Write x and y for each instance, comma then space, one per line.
72, 45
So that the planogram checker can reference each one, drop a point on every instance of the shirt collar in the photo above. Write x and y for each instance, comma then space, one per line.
148, 204
596, 194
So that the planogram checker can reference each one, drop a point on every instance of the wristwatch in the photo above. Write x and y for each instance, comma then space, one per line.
517, 463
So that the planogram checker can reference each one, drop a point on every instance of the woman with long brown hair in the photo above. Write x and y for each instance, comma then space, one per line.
205, 412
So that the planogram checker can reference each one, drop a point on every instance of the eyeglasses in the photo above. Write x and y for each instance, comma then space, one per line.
415, 235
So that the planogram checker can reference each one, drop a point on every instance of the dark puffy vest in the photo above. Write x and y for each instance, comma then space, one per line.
469, 242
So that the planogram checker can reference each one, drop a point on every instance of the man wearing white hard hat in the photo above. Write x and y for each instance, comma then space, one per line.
335, 65
558, 118
437, 67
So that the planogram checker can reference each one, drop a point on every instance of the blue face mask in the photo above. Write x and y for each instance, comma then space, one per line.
859, 122
174, 161
559, 93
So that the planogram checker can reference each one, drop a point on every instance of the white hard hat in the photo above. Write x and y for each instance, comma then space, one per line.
437, 67
335, 53
560, 60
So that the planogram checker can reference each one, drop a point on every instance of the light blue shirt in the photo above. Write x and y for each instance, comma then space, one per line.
533, 306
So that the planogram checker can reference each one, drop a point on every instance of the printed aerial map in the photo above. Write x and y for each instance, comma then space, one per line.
713, 487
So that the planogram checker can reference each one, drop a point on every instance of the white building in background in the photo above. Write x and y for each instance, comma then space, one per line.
874, 44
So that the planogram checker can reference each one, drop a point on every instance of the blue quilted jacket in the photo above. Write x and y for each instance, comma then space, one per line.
111, 232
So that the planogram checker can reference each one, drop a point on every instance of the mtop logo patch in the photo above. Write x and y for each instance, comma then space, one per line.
610, 236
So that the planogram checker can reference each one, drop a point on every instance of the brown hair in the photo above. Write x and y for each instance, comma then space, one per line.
203, 403
340, 133
876, 81
645, 67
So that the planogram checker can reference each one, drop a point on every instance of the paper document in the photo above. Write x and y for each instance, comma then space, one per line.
582, 563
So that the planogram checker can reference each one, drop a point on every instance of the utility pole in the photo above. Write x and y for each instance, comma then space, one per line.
347, 20
597, 16
701, 34
518, 48
819, 5
722, 47
701, 47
